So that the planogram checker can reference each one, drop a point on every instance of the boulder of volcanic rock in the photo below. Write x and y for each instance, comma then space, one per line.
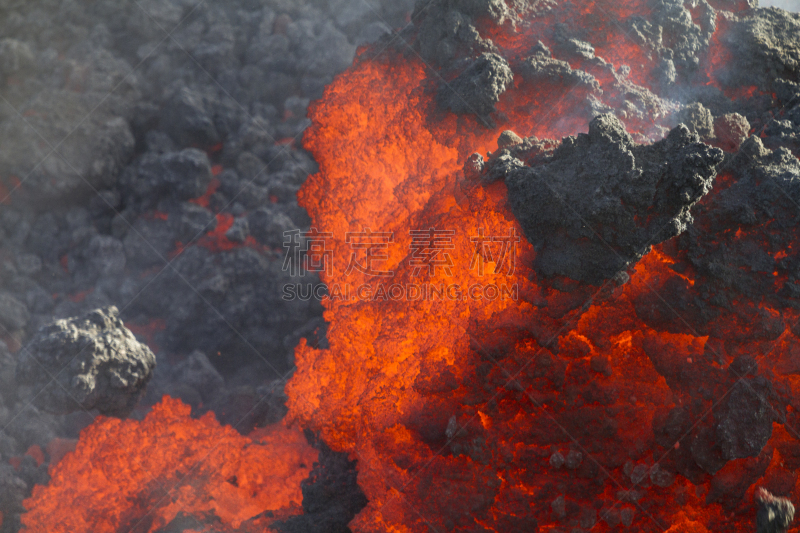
774, 514
763, 47
478, 88
595, 204
88, 362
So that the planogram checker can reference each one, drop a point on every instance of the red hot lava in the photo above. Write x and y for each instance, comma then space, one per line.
571, 406
477, 393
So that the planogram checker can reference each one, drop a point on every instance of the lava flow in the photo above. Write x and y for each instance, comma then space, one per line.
563, 289
170, 469
659, 403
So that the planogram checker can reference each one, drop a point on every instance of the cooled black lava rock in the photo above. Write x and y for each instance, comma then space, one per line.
744, 420
542, 68
187, 120
331, 495
478, 88
180, 175
595, 205
698, 119
774, 514
764, 47
89, 362
447, 29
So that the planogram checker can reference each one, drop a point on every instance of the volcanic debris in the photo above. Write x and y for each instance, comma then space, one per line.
90, 362
595, 205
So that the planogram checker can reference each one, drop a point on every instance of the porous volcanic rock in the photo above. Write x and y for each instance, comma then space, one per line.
595, 205
88, 362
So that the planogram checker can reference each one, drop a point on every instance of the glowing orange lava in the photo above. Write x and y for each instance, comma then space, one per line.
455, 407
138, 476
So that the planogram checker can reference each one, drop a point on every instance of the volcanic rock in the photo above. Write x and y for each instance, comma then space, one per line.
331, 495
239, 230
447, 29
542, 68
90, 362
187, 121
596, 204
193, 222
744, 420
182, 175
763, 47
698, 119
731, 130
478, 88
268, 226
774, 514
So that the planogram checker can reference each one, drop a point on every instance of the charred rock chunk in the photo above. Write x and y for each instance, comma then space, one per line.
187, 120
774, 514
268, 226
744, 421
698, 119
596, 204
762, 203
182, 175
541, 68
193, 222
90, 362
331, 495
478, 88
731, 130
447, 29
764, 46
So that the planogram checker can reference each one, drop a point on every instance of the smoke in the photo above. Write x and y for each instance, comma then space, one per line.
788, 5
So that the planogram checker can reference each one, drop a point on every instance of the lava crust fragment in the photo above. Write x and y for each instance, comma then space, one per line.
88, 362
478, 88
595, 204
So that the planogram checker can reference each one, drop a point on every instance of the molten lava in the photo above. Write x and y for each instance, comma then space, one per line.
139, 476
571, 406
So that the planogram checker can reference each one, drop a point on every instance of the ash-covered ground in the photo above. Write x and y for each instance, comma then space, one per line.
149, 164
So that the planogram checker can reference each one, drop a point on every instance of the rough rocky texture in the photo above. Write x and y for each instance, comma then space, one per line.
597, 203
145, 126
763, 48
775, 514
744, 421
478, 88
91, 362
542, 68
